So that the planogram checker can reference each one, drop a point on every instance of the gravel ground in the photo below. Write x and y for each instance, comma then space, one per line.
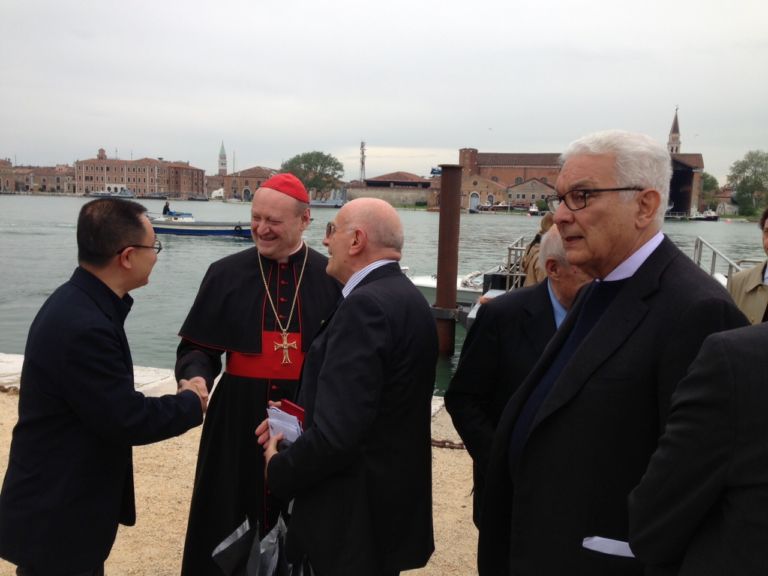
164, 472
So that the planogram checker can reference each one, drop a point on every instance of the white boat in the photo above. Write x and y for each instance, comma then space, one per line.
173, 216
184, 224
468, 287
706, 216
122, 193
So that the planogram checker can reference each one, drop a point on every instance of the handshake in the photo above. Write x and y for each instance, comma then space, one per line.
198, 386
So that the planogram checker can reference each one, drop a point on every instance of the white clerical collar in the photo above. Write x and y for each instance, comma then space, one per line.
358, 276
628, 268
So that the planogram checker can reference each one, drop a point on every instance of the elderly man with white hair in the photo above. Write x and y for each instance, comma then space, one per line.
503, 344
577, 436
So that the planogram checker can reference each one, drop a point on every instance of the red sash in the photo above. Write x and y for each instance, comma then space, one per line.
280, 358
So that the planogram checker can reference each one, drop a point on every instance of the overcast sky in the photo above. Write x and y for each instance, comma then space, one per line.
415, 79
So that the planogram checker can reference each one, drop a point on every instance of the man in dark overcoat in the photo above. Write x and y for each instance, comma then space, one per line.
577, 436
360, 474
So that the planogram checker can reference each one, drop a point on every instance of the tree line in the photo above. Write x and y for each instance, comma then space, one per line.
749, 179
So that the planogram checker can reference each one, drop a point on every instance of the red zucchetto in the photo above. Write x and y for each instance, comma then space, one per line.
288, 184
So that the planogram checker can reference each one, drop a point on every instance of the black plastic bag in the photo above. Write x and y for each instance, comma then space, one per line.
242, 554
271, 559
303, 568
232, 555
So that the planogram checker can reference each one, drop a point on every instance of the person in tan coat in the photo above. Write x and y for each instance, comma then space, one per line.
749, 288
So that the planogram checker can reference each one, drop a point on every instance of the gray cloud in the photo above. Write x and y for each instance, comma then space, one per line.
415, 80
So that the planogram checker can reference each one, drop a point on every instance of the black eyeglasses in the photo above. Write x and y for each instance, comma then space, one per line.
577, 199
330, 228
156, 246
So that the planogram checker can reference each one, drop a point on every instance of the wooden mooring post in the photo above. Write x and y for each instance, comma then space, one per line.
445, 309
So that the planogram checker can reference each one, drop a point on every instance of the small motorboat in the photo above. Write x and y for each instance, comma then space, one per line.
172, 216
184, 224
706, 216
468, 287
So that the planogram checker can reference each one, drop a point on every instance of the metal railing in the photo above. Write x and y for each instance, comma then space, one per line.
511, 272
514, 267
702, 248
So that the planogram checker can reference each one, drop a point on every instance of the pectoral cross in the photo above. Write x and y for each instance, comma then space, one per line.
285, 345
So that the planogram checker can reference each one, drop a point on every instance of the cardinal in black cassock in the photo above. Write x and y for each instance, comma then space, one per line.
264, 336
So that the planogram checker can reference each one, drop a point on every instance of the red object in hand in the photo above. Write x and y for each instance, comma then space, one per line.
293, 409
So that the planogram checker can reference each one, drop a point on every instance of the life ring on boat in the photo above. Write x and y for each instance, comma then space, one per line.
238, 228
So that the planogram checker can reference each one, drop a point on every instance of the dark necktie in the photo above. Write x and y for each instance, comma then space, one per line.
600, 296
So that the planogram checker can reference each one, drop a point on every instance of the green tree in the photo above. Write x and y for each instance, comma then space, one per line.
749, 177
319, 172
710, 187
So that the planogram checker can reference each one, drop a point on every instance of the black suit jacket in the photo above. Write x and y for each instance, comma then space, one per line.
69, 480
593, 435
502, 346
702, 506
361, 472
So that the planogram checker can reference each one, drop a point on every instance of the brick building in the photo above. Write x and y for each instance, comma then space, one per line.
57, 179
147, 177
519, 180
241, 185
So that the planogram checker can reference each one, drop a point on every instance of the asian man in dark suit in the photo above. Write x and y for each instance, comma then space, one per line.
69, 481
702, 505
360, 474
577, 435
502, 346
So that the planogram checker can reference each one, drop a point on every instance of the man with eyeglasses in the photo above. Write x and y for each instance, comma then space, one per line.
576, 437
360, 474
260, 307
69, 481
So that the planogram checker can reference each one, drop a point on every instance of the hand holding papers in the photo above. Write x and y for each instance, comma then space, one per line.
286, 420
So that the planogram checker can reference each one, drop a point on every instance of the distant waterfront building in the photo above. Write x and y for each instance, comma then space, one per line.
687, 186
724, 201
518, 180
57, 179
514, 179
241, 185
397, 188
146, 177
238, 185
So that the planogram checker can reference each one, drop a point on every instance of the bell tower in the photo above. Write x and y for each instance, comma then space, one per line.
673, 144
222, 161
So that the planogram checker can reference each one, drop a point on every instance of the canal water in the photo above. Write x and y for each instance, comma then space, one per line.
38, 252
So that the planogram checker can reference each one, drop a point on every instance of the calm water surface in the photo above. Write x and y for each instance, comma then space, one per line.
38, 252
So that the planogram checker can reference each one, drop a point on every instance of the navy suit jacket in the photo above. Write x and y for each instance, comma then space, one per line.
361, 474
702, 506
69, 480
592, 437
502, 346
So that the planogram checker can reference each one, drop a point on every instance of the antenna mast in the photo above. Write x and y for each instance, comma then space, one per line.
362, 162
